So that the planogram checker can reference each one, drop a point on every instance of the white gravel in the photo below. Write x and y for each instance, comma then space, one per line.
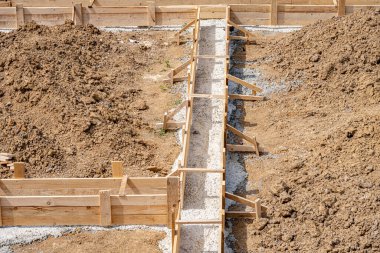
202, 192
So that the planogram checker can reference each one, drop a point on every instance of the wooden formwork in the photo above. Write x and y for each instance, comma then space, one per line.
120, 200
150, 13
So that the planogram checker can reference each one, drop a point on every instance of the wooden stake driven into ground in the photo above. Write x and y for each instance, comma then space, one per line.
251, 140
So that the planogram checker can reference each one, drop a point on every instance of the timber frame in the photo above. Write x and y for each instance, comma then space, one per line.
120, 200
103, 13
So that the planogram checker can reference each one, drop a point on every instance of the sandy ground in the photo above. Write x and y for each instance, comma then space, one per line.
202, 192
319, 127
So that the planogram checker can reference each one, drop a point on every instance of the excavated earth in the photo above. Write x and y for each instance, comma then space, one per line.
320, 173
74, 98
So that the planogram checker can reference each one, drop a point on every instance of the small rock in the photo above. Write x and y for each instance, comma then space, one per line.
365, 185
315, 58
285, 197
262, 223
277, 188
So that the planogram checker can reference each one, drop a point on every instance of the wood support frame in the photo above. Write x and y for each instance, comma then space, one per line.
341, 8
19, 15
251, 140
77, 14
273, 13
151, 13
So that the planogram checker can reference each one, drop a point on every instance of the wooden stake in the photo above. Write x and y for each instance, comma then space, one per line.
19, 170
258, 209
341, 8
78, 18
117, 169
253, 87
19, 15
273, 13
173, 197
123, 186
151, 13
241, 200
105, 207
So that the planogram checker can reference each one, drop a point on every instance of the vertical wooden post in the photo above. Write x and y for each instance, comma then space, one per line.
117, 169
173, 197
19, 15
273, 13
151, 13
77, 16
258, 209
341, 8
165, 123
19, 170
105, 207
222, 227
1, 216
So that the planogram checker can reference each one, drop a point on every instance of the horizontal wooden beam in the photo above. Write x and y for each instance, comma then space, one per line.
81, 200
241, 148
208, 96
246, 97
80, 186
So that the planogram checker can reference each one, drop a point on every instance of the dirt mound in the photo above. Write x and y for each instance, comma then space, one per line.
321, 178
70, 100
341, 55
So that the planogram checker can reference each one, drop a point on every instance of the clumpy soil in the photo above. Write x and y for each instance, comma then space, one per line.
73, 98
320, 175
103, 241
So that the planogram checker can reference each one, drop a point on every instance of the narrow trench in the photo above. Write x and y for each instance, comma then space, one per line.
236, 174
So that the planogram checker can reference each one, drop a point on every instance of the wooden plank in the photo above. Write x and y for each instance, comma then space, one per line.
142, 210
19, 170
211, 56
123, 186
240, 134
53, 216
81, 200
240, 199
288, 8
244, 83
241, 148
173, 198
172, 113
258, 209
19, 15
199, 222
151, 13
182, 67
341, 8
179, 79
240, 214
117, 168
78, 17
273, 13
185, 27
246, 97
79, 186
105, 208
242, 29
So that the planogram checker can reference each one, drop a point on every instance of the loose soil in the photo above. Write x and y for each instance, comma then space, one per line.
74, 98
103, 241
320, 175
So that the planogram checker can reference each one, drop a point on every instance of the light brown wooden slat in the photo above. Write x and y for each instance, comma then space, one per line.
244, 83
240, 199
157, 219
117, 169
19, 170
141, 210
81, 200
78, 186
173, 198
105, 208
241, 148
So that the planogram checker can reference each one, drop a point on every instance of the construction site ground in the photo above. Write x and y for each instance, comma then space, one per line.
319, 128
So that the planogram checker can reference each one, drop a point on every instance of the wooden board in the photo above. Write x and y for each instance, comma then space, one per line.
77, 186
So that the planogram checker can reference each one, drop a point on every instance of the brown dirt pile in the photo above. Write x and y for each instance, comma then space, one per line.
72, 99
321, 180
339, 55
